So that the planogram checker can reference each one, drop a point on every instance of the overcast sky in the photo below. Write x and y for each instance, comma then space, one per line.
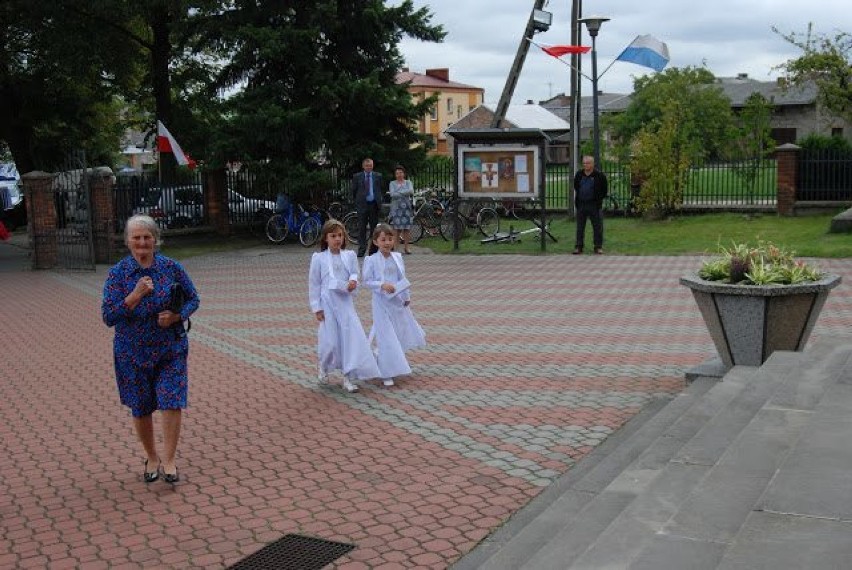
728, 36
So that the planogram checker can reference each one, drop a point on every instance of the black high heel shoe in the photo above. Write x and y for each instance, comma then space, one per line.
150, 476
171, 477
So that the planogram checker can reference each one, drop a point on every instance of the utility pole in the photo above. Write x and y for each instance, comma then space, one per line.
515, 71
576, 39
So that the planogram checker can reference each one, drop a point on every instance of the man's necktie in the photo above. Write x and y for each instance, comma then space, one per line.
370, 197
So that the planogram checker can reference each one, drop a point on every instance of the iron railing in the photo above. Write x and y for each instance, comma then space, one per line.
824, 175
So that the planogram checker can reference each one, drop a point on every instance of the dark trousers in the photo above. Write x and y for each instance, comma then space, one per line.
589, 211
367, 221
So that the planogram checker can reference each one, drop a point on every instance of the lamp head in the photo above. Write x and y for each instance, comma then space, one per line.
541, 20
593, 23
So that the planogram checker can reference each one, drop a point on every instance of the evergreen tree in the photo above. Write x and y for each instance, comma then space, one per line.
319, 77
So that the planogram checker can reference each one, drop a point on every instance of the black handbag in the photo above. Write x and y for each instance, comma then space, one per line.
177, 299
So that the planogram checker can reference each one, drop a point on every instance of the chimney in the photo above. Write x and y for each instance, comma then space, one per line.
742, 75
530, 102
442, 73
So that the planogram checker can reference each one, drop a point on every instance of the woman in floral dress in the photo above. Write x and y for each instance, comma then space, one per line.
401, 212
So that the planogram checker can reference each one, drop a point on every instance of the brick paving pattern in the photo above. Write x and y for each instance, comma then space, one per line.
531, 363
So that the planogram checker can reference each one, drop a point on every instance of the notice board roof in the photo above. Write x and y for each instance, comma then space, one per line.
497, 135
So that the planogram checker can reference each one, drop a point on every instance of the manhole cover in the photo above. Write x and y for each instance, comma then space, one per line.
294, 552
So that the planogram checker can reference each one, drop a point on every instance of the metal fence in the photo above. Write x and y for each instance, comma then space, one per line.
252, 192
719, 185
73, 233
175, 205
824, 175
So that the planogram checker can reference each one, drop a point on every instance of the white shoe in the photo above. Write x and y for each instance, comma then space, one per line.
387, 381
322, 375
349, 386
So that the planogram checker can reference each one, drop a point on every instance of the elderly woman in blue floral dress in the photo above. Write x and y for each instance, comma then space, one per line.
150, 345
401, 216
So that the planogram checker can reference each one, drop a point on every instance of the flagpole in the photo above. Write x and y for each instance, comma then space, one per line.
608, 66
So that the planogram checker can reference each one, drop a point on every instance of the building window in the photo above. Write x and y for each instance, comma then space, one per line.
450, 105
459, 110
837, 131
434, 113
783, 136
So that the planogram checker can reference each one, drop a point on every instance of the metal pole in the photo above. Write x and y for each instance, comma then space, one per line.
576, 62
515, 71
596, 134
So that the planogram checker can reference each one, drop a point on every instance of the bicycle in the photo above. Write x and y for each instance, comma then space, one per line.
294, 218
463, 214
517, 209
626, 207
427, 215
530, 211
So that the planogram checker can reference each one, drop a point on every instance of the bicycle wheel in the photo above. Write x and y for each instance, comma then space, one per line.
416, 231
350, 222
335, 210
257, 224
276, 228
452, 226
310, 231
488, 222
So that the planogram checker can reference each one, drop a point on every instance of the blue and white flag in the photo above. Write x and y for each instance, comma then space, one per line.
647, 51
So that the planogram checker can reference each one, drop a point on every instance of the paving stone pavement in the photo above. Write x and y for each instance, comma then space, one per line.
532, 362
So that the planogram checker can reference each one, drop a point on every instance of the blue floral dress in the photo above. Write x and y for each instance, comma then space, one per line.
150, 362
401, 212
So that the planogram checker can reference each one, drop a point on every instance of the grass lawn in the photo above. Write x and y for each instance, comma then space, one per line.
689, 234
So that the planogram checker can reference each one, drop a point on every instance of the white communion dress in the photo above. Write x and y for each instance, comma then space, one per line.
395, 330
341, 341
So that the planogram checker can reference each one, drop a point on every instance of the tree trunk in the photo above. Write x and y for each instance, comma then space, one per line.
160, 20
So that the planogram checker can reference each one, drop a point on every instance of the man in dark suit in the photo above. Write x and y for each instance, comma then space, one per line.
367, 195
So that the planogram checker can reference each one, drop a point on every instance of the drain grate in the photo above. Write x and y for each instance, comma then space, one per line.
294, 552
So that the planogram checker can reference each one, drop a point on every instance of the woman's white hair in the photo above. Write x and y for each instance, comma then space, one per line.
147, 222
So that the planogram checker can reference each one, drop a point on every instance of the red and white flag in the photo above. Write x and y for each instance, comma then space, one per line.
559, 51
167, 143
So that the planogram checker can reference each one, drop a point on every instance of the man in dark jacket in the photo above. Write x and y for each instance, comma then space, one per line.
590, 189
367, 194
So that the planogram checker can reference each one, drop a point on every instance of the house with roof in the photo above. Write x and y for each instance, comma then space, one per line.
796, 110
455, 100
528, 116
560, 105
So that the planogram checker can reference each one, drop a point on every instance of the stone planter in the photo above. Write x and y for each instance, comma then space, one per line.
749, 322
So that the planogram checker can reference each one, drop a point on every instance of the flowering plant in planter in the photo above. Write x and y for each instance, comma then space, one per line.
764, 264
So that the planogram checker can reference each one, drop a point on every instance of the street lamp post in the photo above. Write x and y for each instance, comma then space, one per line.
593, 25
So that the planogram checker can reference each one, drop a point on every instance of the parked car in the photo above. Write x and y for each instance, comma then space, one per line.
242, 209
173, 206
13, 210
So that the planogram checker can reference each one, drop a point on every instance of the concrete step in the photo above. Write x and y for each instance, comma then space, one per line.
675, 489
671, 486
804, 517
572, 512
712, 518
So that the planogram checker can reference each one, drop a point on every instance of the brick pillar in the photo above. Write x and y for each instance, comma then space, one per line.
41, 218
787, 156
216, 201
101, 183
